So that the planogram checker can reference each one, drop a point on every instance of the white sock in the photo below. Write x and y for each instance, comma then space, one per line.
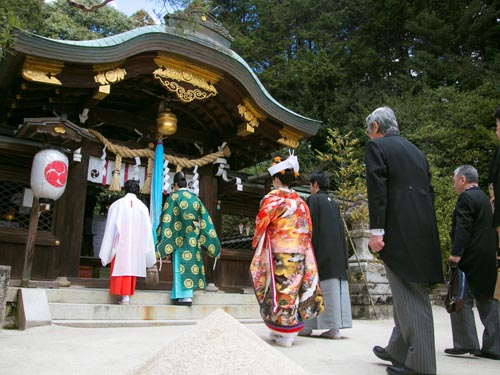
125, 299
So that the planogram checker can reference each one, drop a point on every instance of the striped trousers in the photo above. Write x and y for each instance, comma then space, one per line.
412, 338
463, 324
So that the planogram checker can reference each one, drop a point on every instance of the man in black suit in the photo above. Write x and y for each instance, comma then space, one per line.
330, 249
474, 248
404, 233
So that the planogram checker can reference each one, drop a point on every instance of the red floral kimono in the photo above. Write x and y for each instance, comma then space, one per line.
283, 270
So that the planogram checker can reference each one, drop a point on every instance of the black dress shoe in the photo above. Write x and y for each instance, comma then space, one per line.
496, 357
383, 355
182, 303
454, 351
402, 370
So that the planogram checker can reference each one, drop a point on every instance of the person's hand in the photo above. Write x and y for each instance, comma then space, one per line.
376, 243
453, 261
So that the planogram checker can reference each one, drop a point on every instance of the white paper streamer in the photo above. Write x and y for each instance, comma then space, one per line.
166, 178
134, 169
103, 162
195, 182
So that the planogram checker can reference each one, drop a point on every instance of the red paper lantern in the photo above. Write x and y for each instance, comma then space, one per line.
49, 173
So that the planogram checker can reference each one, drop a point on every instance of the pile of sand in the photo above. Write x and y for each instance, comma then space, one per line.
218, 344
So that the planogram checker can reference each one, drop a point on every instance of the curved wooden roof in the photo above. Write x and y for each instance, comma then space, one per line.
123, 80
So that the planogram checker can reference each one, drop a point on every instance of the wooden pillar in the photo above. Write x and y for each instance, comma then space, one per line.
29, 250
69, 224
208, 195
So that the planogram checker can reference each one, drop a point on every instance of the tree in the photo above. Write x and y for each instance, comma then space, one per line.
453, 42
348, 171
142, 18
21, 14
86, 7
173, 4
66, 22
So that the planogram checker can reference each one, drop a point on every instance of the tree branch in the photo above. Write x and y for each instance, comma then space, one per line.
87, 8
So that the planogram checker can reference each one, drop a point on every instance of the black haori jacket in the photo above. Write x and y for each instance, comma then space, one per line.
328, 236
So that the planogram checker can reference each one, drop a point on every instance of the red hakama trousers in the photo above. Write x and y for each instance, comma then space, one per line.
121, 285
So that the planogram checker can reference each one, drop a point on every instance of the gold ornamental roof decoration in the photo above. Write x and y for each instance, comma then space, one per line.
248, 116
173, 73
251, 117
289, 138
42, 70
110, 76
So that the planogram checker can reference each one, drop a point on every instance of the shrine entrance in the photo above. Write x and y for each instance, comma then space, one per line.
108, 103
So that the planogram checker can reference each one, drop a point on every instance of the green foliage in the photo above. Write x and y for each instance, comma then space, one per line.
21, 14
66, 22
444, 204
142, 18
104, 199
451, 127
348, 171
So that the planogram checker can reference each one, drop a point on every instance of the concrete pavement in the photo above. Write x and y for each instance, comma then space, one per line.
66, 350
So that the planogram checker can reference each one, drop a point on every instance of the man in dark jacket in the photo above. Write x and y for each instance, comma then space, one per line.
474, 248
404, 233
330, 249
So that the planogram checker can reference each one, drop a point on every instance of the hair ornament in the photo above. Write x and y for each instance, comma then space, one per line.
292, 162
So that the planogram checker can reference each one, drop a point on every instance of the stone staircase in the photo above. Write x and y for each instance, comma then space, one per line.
86, 307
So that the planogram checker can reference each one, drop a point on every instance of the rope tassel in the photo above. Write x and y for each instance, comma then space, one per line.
146, 188
115, 177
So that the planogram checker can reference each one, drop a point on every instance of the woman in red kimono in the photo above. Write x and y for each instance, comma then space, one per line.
283, 270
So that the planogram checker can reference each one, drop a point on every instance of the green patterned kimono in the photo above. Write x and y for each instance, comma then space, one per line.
186, 227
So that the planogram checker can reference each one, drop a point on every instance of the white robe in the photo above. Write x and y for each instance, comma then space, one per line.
129, 237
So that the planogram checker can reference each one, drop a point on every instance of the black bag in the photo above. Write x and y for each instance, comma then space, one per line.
457, 289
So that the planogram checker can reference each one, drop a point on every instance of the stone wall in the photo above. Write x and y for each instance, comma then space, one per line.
371, 296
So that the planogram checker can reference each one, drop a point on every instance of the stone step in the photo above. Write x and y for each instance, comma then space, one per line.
88, 323
93, 307
75, 311
144, 297
87, 307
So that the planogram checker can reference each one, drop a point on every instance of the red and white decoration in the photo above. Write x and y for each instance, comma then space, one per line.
102, 174
49, 173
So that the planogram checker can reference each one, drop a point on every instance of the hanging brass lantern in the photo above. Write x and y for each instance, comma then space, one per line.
166, 123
